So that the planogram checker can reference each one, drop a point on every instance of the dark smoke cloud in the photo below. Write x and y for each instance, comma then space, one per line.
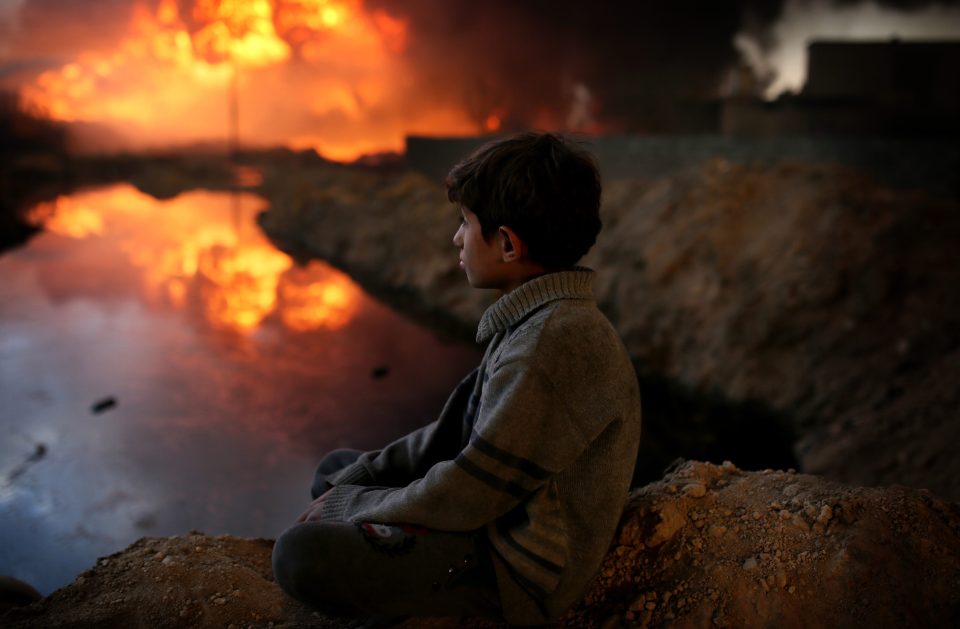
62, 28
638, 59
642, 61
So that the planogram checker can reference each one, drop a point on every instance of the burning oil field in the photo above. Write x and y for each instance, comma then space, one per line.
225, 248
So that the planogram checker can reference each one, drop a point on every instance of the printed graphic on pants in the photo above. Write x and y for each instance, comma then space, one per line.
391, 539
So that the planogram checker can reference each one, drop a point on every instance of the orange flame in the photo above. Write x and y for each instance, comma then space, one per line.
67, 218
322, 74
314, 297
196, 255
236, 31
241, 284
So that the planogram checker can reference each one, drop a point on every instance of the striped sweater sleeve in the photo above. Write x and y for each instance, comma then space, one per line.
411, 456
524, 434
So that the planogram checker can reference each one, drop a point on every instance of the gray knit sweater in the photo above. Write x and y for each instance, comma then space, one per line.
536, 447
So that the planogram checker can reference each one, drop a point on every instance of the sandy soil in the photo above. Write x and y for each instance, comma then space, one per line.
712, 545
709, 545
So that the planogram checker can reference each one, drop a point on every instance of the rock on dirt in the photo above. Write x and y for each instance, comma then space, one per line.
708, 545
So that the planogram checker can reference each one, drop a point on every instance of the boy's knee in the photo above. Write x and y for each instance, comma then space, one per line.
295, 564
338, 459
332, 463
305, 566
284, 562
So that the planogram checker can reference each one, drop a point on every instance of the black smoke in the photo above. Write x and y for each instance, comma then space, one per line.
643, 62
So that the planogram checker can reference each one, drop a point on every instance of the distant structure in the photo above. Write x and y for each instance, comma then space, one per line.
860, 88
855, 92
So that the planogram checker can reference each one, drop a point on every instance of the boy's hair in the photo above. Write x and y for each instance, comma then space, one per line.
540, 185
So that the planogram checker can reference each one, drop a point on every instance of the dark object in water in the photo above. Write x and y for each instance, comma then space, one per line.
38, 453
104, 405
379, 372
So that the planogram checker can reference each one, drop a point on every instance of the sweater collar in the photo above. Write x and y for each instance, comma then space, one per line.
521, 301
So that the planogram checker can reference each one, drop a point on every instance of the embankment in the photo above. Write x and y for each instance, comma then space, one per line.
708, 545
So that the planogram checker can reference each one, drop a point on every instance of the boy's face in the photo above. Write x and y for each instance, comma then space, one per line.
481, 259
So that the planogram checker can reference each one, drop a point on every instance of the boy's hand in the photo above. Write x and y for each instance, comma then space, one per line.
313, 511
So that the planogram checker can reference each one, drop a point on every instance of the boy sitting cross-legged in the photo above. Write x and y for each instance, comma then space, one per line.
506, 504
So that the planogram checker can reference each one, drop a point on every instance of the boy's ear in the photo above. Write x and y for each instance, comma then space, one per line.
511, 246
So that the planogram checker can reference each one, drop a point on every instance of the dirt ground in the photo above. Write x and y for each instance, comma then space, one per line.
811, 288
712, 545
709, 545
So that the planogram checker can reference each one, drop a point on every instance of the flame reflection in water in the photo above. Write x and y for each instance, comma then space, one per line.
232, 369
205, 254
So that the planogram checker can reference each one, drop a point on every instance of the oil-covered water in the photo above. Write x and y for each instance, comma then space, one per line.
163, 368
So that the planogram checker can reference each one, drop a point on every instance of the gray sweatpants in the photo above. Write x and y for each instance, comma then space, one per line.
372, 569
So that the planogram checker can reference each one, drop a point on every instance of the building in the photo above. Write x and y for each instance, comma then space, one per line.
861, 88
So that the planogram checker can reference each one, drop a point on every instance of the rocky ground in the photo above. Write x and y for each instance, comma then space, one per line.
708, 545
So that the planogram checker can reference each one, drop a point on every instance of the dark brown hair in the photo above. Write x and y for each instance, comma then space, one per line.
542, 186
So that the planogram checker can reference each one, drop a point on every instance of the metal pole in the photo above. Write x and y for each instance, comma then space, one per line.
234, 112
233, 143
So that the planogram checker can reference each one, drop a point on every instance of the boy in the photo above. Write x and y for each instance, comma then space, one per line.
506, 505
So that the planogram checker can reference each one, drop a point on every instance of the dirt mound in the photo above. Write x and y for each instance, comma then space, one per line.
706, 545
810, 287
712, 545
185, 581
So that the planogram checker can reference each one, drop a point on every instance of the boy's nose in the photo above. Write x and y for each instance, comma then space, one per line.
458, 237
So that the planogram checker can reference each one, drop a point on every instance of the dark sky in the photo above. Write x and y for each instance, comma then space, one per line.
57, 28
638, 58
525, 53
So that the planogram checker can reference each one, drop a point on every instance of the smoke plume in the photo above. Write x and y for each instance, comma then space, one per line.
349, 77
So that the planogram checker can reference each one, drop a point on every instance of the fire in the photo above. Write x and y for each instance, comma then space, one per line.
240, 284
492, 123
314, 297
239, 31
67, 218
200, 256
322, 74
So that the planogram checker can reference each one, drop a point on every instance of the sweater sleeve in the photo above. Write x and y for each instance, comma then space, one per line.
524, 433
411, 456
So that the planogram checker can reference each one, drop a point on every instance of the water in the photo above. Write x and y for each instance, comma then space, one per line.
164, 369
